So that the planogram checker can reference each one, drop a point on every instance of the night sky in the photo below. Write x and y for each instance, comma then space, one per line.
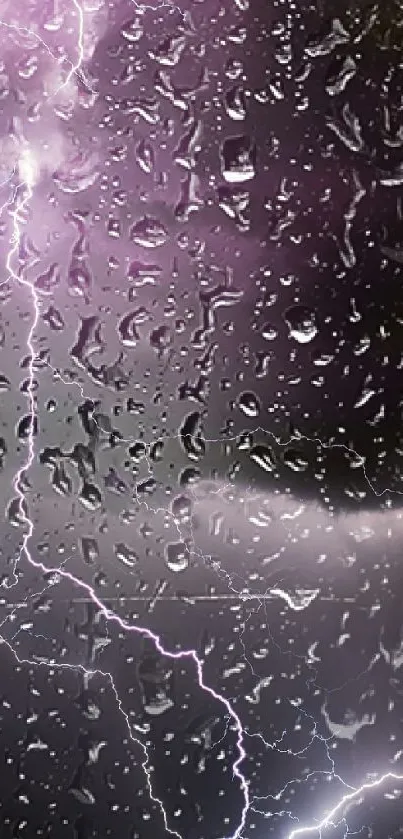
201, 436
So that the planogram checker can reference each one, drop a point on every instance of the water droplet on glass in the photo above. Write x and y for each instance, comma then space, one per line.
126, 555
145, 156
161, 338
268, 332
238, 159
127, 330
48, 281
89, 549
17, 512
181, 509
149, 233
5, 383
79, 281
132, 31
263, 457
90, 496
26, 425
61, 482
249, 404
294, 460
177, 556
301, 323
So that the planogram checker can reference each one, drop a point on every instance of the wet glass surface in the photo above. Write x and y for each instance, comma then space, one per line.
200, 402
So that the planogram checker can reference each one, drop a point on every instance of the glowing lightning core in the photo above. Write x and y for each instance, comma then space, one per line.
327, 821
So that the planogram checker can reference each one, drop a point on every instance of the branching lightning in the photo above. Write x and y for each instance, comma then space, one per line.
328, 820
28, 174
21, 198
88, 673
75, 68
143, 7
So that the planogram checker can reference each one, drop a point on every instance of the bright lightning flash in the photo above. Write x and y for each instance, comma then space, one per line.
28, 172
328, 820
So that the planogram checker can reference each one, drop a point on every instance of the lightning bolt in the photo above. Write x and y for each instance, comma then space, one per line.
75, 68
135, 740
327, 820
22, 197
270, 594
325, 772
28, 174
143, 7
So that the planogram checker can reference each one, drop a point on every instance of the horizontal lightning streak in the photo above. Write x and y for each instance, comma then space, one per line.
293, 438
210, 598
143, 7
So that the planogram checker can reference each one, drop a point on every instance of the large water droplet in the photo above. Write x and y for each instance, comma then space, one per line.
238, 159
249, 404
301, 323
149, 233
176, 556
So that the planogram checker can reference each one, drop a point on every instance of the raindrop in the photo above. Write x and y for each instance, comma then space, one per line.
26, 426
190, 436
61, 482
181, 508
340, 75
79, 281
145, 156
90, 496
127, 330
158, 705
302, 324
149, 233
249, 404
138, 450
238, 159
54, 319
268, 332
161, 338
89, 549
48, 281
126, 555
17, 512
293, 459
83, 795
263, 456
235, 104
77, 175
132, 31
189, 476
5, 383
177, 556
